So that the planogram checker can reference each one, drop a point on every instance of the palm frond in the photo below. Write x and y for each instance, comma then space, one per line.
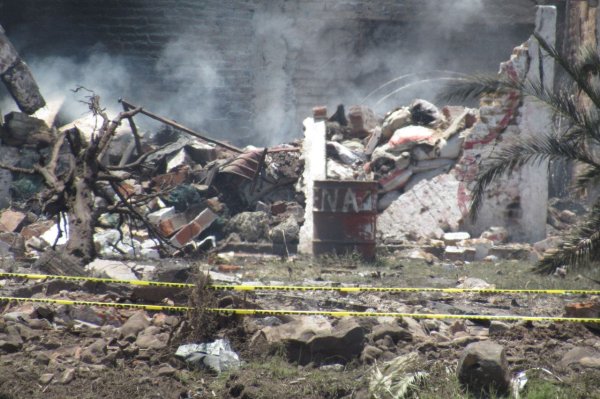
588, 60
396, 378
534, 150
473, 87
589, 176
580, 249
578, 71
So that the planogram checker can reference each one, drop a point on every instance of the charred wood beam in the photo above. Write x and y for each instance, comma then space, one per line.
134, 130
181, 127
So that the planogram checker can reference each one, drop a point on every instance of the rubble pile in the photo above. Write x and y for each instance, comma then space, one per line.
205, 196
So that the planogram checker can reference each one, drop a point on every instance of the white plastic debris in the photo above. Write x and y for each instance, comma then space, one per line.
217, 355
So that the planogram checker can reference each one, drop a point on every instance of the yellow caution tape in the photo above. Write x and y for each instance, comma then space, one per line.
265, 312
223, 287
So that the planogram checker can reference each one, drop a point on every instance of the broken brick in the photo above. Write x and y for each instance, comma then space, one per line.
194, 228
10, 221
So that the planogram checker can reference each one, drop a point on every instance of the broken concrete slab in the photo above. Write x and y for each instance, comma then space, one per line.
194, 228
453, 238
10, 221
111, 269
428, 210
455, 253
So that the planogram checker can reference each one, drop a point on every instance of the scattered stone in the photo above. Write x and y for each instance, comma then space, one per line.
11, 221
546, 244
111, 269
46, 378
370, 354
474, 283
93, 354
152, 338
453, 253
396, 332
67, 376
134, 325
497, 235
250, 226
483, 367
286, 232
166, 370
498, 327
454, 238
580, 354
584, 310
568, 217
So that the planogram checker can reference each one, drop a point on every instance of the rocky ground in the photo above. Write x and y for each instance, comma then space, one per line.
57, 351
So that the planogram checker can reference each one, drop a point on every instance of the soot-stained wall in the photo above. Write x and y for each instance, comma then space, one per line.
250, 70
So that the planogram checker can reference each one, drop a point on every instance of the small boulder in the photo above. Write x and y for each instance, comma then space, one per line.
498, 235
483, 368
286, 232
370, 354
395, 332
136, 323
584, 356
250, 226
152, 338
94, 353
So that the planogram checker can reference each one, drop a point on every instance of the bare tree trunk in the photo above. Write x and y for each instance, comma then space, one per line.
81, 221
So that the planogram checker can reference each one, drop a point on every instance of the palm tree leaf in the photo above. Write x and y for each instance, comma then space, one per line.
534, 150
578, 71
580, 249
590, 175
472, 87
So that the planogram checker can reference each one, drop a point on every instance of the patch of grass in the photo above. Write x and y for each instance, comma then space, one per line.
540, 389
274, 377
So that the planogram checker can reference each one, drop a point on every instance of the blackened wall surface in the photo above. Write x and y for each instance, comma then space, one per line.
250, 70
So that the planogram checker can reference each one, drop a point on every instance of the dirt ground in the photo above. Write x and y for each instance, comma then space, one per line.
266, 373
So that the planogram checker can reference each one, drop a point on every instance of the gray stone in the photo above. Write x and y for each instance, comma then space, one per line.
67, 376
111, 269
286, 232
313, 339
22, 86
46, 378
136, 323
166, 371
343, 344
250, 226
497, 327
453, 238
93, 354
152, 338
395, 332
483, 367
578, 355
370, 354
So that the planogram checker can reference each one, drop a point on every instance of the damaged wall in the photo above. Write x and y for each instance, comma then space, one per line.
250, 70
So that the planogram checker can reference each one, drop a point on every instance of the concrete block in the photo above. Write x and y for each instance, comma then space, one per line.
10, 221
172, 224
454, 237
454, 253
426, 211
194, 228
22, 86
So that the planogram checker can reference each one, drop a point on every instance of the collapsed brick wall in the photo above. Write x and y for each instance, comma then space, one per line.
324, 67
